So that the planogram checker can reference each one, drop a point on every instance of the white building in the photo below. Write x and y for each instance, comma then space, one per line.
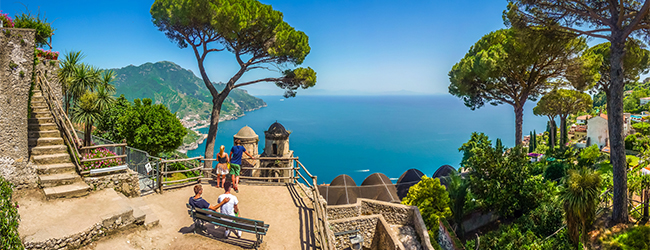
644, 100
582, 119
597, 131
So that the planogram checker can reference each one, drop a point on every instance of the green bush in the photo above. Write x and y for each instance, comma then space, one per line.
629, 142
635, 238
43, 29
555, 171
9, 218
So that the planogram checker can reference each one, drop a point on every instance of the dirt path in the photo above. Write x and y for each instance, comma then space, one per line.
282, 207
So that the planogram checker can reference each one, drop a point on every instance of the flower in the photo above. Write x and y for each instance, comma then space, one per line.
6, 20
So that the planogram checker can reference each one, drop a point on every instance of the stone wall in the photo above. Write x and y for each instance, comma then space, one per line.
365, 224
108, 225
16, 66
393, 214
50, 69
384, 239
125, 182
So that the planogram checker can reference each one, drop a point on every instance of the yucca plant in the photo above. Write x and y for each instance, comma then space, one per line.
579, 195
86, 111
69, 64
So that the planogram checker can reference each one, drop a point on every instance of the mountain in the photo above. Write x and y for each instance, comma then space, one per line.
179, 89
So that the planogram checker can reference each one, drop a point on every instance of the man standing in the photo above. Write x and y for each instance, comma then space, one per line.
230, 207
235, 162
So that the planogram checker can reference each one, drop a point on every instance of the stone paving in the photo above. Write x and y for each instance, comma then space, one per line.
284, 208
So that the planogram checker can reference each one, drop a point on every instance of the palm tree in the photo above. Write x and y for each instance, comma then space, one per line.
457, 189
106, 79
68, 67
86, 111
105, 97
580, 199
85, 77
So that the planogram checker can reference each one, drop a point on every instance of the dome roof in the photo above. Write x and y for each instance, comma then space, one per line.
245, 133
376, 179
343, 180
444, 170
277, 129
408, 179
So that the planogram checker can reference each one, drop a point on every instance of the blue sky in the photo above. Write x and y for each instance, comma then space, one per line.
357, 47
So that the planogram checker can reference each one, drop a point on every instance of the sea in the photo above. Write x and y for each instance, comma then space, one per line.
361, 135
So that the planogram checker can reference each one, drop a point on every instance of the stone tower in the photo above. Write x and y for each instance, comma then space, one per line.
276, 152
250, 141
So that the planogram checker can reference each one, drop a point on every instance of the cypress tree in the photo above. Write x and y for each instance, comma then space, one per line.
534, 140
530, 143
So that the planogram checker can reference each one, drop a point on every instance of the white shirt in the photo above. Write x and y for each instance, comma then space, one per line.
229, 207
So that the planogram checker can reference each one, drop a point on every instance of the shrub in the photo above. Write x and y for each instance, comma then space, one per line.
9, 218
629, 142
6, 21
637, 237
43, 29
100, 153
432, 200
555, 171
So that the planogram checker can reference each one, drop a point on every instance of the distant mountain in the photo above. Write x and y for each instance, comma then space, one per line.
179, 89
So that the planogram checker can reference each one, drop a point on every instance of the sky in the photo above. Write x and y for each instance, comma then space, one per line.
357, 47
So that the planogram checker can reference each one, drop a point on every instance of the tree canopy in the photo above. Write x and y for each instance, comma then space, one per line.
43, 29
616, 21
431, 198
512, 66
563, 102
254, 32
150, 127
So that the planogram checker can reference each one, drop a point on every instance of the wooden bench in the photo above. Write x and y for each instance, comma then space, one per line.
200, 215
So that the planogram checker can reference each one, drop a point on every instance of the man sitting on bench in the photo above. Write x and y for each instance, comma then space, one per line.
230, 207
198, 202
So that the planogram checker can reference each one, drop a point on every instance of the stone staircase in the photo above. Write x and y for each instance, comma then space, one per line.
56, 172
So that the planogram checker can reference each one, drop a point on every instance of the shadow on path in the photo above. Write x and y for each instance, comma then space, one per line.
217, 233
306, 215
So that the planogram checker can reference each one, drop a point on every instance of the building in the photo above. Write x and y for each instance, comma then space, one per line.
597, 131
644, 100
277, 153
580, 120
249, 139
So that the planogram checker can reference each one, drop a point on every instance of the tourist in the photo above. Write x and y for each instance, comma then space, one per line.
197, 201
222, 168
235, 162
230, 207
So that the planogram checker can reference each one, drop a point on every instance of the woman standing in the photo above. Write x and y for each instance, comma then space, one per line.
222, 167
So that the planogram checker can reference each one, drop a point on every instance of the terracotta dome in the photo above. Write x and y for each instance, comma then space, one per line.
246, 133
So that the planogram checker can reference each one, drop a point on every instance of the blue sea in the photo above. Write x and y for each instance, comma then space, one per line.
361, 135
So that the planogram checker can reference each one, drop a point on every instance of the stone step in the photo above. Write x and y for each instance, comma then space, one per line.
42, 127
40, 120
76, 189
35, 134
52, 159
41, 114
55, 168
37, 98
45, 141
43, 133
36, 93
141, 210
54, 180
53, 149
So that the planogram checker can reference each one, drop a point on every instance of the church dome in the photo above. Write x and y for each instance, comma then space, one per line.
343, 180
246, 133
276, 130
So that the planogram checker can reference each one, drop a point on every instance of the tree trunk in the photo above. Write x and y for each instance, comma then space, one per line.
212, 131
615, 125
563, 134
551, 134
519, 121
87, 134
645, 204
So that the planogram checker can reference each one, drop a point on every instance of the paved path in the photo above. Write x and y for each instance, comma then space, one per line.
282, 207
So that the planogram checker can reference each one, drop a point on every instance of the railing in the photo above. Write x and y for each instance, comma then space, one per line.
60, 117
69, 133
193, 168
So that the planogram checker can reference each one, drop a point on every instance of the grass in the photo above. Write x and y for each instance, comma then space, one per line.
634, 160
175, 177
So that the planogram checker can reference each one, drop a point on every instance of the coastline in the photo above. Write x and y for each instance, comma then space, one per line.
206, 123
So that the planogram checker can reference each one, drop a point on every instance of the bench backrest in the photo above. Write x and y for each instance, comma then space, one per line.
233, 222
